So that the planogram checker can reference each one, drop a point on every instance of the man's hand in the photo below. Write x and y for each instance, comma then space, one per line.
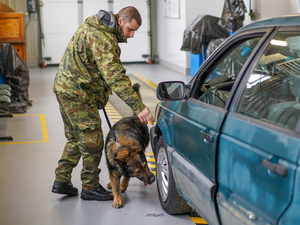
146, 116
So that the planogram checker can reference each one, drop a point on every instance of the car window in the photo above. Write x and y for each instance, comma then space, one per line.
218, 83
272, 93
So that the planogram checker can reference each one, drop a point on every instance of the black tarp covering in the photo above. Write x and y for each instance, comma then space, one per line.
212, 45
15, 74
233, 15
201, 32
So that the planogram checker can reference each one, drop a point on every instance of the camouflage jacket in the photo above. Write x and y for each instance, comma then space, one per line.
91, 68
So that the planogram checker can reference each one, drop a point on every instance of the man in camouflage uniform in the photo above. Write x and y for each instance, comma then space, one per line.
89, 71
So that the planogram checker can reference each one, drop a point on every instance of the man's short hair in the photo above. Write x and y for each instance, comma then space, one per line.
128, 13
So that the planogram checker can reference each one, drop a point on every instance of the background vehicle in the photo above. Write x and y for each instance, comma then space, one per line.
228, 142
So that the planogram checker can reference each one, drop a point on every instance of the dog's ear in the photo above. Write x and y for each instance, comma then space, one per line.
122, 155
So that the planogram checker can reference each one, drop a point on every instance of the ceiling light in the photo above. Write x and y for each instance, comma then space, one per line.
279, 43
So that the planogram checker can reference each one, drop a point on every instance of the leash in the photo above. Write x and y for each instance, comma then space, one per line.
111, 130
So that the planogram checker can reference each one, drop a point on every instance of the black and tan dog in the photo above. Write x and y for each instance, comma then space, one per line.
125, 156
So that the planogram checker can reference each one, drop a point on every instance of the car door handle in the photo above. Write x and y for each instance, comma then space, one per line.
207, 137
275, 168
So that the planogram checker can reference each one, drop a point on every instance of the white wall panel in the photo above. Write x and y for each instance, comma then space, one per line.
91, 7
170, 38
61, 19
133, 50
59, 23
279, 7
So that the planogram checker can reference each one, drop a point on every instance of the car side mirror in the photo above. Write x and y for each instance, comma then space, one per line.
171, 90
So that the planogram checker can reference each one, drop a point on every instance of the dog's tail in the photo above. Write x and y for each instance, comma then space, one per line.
136, 87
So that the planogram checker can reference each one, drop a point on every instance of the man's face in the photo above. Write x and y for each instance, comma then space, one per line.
128, 28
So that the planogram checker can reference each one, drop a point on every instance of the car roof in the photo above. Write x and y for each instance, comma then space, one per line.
289, 20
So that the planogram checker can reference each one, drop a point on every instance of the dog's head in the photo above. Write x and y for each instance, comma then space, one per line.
135, 164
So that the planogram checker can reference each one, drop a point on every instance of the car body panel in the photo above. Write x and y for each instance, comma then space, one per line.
231, 167
192, 122
291, 216
247, 190
286, 21
196, 188
165, 120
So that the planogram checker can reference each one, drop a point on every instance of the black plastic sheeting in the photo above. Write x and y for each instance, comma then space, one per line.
201, 32
212, 45
233, 15
206, 29
15, 74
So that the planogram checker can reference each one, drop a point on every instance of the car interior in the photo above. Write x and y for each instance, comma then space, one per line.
272, 91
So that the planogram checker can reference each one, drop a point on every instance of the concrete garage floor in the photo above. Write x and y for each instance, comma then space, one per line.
28, 162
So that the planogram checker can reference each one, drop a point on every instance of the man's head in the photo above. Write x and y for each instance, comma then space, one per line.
130, 20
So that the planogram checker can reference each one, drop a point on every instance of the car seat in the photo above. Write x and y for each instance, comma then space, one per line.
287, 113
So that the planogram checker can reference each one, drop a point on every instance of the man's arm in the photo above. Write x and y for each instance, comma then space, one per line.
114, 75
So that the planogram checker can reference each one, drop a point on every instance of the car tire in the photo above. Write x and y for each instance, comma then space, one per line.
169, 197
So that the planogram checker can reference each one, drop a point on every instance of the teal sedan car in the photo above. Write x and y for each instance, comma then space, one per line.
227, 144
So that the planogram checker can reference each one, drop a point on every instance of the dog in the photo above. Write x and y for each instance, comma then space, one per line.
125, 155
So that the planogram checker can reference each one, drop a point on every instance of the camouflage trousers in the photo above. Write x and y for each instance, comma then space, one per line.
84, 138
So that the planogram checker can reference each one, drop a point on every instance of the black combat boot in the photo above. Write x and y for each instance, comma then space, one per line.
65, 188
99, 194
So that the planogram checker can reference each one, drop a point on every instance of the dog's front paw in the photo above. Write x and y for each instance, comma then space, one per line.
117, 204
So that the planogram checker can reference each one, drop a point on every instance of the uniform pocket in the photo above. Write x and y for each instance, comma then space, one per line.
90, 137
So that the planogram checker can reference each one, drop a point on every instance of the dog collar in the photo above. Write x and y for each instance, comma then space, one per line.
117, 143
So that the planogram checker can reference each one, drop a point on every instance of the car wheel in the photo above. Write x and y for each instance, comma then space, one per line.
169, 197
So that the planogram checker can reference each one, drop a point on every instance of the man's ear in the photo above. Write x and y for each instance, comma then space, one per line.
120, 21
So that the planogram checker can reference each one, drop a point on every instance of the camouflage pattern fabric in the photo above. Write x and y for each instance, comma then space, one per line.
91, 68
87, 74
85, 138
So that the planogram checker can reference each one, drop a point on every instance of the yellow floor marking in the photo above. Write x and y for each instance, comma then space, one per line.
150, 159
149, 153
149, 82
112, 113
151, 162
198, 220
152, 166
44, 130
111, 116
